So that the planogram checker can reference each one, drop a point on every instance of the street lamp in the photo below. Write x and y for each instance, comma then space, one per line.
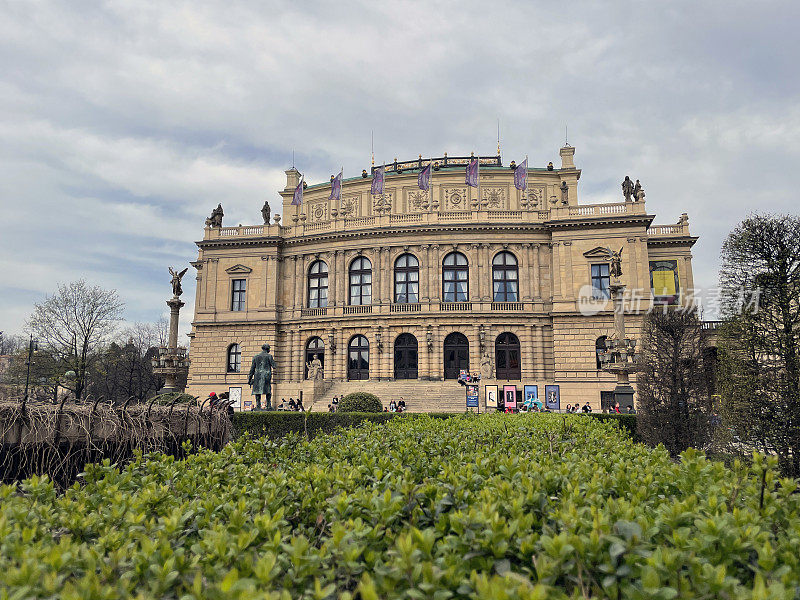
33, 346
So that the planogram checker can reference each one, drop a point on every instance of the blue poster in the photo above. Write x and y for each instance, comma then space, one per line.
472, 396
552, 397
531, 397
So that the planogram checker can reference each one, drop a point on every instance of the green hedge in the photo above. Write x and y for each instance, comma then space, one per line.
277, 424
361, 402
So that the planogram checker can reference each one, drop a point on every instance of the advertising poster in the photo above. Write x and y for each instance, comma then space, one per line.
510, 395
235, 396
472, 396
248, 405
531, 396
552, 397
491, 396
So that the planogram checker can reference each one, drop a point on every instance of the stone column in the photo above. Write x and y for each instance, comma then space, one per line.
687, 268
555, 270
341, 352
211, 286
333, 278
538, 280
570, 291
296, 301
437, 356
386, 273
290, 357
377, 275
199, 297
485, 251
633, 263
525, 270
341, 280
299, 358
474, 274
435, 265
479, 285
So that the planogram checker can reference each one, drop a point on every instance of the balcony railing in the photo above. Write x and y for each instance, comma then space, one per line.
313, 312
360, 309
658, 230
405, 308
454, 306
507, 305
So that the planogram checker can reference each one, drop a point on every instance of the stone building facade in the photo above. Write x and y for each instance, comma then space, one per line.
397, 293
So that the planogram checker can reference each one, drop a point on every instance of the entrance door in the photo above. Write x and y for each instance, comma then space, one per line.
456, 355
405, 357
606, 401
358, 359
506, 357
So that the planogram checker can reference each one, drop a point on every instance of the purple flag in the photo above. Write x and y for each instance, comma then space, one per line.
378, 178
297, 199
424, 179
521, 175
472, 173
336, 187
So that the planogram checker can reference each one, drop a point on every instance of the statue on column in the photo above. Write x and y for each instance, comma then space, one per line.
177, 290
638, 192
260, 377
615, 258
564, 193
265, 212
627, 189
215, 220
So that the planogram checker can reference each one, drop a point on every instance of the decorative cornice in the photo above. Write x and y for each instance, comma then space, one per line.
238, 270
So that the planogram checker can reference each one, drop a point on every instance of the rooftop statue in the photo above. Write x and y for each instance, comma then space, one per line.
265, 212
627, 189
638, 192
215, 220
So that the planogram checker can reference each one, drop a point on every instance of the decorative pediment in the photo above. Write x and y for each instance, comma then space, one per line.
599, 252
238, 270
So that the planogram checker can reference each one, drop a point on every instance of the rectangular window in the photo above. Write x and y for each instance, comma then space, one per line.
238, 294
664, 281
600, 282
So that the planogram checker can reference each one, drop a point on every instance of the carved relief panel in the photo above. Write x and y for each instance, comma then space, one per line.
494, 198
318, 211
383, 204
535, 198
350, 207
417, 200
456, 199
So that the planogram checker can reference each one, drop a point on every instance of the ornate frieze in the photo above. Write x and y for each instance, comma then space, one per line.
349, 207
494, 198
456, 199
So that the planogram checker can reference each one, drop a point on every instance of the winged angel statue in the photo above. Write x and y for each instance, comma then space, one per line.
177, 290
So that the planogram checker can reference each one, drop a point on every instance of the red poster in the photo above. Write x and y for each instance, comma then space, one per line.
510, 395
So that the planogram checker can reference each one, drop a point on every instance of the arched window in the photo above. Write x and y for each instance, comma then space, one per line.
358, 358
456, 355
315, 348
234, 358
599, 348
455, 277
405, 357
361, 281
318, 284
507, 357
406, 279
505, 277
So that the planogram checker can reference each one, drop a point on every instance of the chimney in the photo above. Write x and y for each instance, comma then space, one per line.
292, 178
567, 154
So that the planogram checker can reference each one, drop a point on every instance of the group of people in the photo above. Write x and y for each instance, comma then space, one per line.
292, 406
221, 402
398, 407
334, 405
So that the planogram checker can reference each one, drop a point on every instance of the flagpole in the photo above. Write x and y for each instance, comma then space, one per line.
479, 181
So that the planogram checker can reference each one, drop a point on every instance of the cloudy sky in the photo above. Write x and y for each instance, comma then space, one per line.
123, 124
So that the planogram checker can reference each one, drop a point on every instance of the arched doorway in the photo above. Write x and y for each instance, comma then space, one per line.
358, 358
405, 357
506, 357
456, 355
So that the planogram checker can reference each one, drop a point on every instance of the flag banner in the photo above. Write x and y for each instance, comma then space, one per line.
424, 179
472, 173
297, 199
378, 178
336, 187
521, 175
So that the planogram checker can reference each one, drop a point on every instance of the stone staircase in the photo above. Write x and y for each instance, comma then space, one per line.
420, 396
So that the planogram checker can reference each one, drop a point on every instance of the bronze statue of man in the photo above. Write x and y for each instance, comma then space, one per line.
265, 212
260, 377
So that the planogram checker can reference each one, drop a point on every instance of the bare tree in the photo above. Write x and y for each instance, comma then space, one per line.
11, 344
675, 407
760, 341
73, 324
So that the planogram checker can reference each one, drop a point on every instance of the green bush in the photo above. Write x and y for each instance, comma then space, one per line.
360, 402
493, 506
625, 421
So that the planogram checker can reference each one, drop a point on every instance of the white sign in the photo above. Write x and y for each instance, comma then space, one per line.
235, 395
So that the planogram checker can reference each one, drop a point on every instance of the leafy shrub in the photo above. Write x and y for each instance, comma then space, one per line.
360, 402
490, 506
625, 421
277, 424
